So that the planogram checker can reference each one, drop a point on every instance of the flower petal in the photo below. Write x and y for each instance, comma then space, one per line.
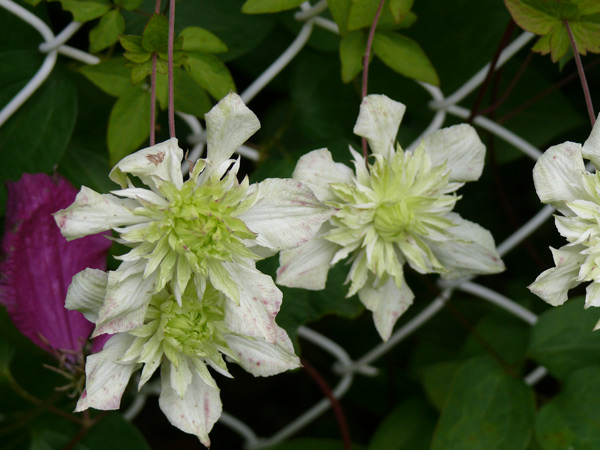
228, 125
592, 295
106, 379
591, 147
38, 263
387, 302
86, 293
93, 213
286, 213
378, 121
470, 251
557, 175
260, 301
317, 170
261, 358
307, 266
553, 284
460, 148
196, 412
153, 165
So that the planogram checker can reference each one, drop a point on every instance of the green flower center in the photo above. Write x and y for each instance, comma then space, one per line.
392, 219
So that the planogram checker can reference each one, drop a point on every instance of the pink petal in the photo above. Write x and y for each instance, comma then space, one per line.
38, 263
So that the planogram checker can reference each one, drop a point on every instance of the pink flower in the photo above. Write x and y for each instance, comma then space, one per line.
38, 263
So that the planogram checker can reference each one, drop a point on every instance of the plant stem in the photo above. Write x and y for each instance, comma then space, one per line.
584, 85
171, 110
153, 89
335, 404
365, 79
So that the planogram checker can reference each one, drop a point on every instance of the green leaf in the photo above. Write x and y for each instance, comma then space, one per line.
530, 18
156, 34
400, 9
404, 56
111, 76
210, 72
128, 124
162, 88
106, 33
132, 44
269, 6
84, 167
352, 51
486, 409
128, 4
340, 10
85, 10
140, 71
437, 379
408, 427
7, 352
570, 420
196, 39
113, 431
190, 98
563, 341
313, 444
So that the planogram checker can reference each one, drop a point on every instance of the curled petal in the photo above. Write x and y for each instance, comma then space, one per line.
378, 122
318, 170
86, 293
591, 147
196, 411
460, 148
228, 125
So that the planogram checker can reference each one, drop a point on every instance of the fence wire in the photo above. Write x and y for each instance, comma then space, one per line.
343, 364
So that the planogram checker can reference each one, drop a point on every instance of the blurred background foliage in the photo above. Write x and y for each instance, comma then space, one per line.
456, 382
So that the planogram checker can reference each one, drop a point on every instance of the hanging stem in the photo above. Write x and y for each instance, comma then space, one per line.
153, 90
584, 85
171, 110
365, 79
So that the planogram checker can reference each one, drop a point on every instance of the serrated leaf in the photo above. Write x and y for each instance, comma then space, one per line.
129, 4
132, 43
111, 76
586, 32
486, 409
190, 98
128, 124
570, 420
530, 18
85, 10
155, 37
563, 341
139, 72
196, 39
106, 33
269, 6
210, 72
561, 10
408, 427
352, 51
400, 9
404, 56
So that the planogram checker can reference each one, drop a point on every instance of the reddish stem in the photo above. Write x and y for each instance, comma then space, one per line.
365, 79
171, 110
335, 404
584, 85
153, 89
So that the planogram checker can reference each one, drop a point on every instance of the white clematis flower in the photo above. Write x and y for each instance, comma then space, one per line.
208, 229
396, 211
562, 181
183, 337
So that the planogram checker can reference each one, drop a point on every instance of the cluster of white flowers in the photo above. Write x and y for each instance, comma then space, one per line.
188, 292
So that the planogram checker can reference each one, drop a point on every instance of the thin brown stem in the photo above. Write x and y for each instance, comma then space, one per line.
366, 58
335, 404
584, 85
171, 110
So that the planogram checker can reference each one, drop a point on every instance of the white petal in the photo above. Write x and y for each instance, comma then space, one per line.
388, 303
144, 195
261, 358
317, 170
260, 301
552, 285
286, 213
153, 165
196, 412
378, 121
106, 379
460, 147
93, 213
591, 147
221, 280
86, 293
126, 301
307, 266
228, 125
592, 294
470, 251
558, 173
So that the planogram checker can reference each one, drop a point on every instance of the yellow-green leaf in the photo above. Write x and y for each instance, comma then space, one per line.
400, 9
190, 98
196, 39
340, 10
269, 6
155, 37
352, 50
129, 4
111, 76
210, 72
84, 10
107, 32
